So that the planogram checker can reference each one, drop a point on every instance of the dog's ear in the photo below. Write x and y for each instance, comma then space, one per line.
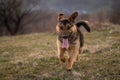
73, 17
60, 17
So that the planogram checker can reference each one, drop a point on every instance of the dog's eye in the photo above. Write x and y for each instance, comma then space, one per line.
68, 27
61, 28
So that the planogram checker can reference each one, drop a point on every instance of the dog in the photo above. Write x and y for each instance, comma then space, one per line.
70, 38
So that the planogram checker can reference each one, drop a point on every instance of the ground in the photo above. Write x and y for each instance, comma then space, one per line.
34, 57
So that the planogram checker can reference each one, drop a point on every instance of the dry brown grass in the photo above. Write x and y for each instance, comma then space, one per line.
33, 57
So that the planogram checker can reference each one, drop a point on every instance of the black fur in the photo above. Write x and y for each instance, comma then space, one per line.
65, 22
86, 26
81, 39
83, 23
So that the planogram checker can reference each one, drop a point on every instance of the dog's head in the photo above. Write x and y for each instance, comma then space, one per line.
66, 26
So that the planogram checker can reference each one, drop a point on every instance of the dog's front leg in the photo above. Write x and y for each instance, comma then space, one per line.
73, 53
61, 52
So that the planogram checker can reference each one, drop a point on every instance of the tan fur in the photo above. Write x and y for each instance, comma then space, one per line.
73, 53
74, 47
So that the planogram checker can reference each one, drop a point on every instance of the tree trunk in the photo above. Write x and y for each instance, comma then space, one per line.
8, 27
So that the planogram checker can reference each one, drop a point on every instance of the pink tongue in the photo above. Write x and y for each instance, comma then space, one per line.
65, 43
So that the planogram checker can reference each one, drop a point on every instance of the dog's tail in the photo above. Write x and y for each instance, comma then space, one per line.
85, 24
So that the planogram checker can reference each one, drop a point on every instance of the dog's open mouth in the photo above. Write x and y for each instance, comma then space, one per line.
65, 43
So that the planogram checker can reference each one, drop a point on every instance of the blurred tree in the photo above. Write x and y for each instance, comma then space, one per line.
115, 12
12, 13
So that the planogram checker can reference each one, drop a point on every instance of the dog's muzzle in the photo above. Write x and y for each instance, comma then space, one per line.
64, 40
64, 36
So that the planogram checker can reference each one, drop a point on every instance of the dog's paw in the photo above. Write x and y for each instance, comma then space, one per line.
69, 70
63, 60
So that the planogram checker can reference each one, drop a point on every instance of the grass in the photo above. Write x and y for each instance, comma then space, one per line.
33, 57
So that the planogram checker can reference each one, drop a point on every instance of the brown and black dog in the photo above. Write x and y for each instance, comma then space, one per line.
70, 38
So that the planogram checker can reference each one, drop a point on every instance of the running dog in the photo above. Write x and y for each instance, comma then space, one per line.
70, 38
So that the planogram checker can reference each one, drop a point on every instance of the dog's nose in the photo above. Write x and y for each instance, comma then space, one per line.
64, 36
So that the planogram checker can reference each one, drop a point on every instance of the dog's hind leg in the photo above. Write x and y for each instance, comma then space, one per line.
81, 40
80, 52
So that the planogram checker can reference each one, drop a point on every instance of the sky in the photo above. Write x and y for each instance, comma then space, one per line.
70, 5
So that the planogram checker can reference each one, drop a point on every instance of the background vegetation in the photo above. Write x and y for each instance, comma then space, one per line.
28, 41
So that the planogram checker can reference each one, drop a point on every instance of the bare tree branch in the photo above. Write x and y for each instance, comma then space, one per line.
12, 13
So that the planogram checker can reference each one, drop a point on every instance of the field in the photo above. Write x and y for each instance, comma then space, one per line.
34, 57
